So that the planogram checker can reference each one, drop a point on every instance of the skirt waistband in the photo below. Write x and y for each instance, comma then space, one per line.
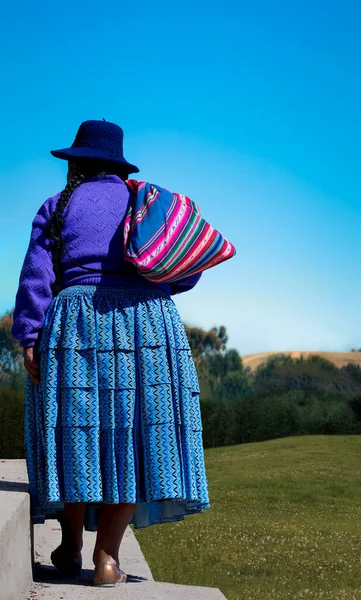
139, 293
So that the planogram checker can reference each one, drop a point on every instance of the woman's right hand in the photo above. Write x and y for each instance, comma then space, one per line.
31, 364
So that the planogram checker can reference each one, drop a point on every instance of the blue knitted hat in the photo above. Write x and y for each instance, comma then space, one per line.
99, 140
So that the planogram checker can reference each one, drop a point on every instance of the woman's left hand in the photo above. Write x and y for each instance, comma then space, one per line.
31, 364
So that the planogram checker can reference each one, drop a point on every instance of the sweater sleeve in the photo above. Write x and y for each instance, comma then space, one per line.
185, 284
34, 292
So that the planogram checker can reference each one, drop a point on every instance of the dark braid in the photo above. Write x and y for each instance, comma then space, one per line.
54, 229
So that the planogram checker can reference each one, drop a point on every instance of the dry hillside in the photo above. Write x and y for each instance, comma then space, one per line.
338, 358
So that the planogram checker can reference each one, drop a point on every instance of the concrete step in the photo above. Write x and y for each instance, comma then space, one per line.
140, 583
15, 565
15, 581
140, 591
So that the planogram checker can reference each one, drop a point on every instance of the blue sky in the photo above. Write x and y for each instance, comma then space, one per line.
251, 109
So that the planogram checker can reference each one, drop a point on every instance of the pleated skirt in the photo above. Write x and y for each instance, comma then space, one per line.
117, 415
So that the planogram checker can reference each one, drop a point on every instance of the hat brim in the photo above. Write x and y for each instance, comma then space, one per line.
91, 153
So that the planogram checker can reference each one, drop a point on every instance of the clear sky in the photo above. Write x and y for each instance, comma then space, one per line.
253, 109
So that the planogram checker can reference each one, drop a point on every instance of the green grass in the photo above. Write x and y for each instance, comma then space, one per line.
284, 522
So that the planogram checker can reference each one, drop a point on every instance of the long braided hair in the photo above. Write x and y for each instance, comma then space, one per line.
84, 169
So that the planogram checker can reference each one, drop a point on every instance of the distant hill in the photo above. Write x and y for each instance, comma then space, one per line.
339, 359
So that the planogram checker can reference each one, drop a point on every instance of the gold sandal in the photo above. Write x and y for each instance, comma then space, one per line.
67, 563
108, 575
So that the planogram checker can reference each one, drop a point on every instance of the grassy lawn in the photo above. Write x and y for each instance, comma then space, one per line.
284, 522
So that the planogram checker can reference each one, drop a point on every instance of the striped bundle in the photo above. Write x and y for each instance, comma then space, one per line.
166, 238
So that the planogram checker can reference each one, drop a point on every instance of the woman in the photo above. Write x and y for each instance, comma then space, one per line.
113, 432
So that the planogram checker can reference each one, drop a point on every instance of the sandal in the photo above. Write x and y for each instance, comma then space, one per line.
108, 575
67, 563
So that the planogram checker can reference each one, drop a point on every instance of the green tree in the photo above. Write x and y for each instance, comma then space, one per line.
12, 372
205, 343
225, 375
353, 370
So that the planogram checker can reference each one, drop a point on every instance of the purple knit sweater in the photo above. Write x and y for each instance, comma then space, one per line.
93, 236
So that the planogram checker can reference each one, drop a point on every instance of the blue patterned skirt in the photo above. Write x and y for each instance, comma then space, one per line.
116, 417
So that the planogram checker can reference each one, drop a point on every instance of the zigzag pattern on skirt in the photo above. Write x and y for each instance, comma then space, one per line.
117, 416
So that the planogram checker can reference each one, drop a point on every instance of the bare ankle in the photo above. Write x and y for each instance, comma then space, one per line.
71, 546
100, 555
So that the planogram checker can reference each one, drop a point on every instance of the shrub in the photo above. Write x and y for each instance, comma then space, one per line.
11, 423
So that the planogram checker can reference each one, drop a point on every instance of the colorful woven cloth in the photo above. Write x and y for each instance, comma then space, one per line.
117, 415
166, 238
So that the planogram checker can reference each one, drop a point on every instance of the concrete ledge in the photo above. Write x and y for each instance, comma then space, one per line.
15, 552
15, 555
127, 591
